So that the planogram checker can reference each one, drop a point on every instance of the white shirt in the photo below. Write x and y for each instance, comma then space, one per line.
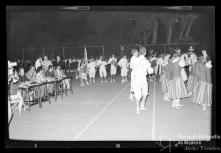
208, 64
46, 64
152, 59
123, 63
142, 67
112, 60
38, 63
133, 61
91, 65
159, 61
101, 64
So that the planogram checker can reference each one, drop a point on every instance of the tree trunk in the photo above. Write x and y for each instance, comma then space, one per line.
145, 38
155, 30
181, 32
149, 36
188, 30
190, 26
169, 35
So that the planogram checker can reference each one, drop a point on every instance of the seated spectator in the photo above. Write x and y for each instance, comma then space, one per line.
40, 77
14, 93
31, 73
59, 73
49, 73
46, 63
22, 76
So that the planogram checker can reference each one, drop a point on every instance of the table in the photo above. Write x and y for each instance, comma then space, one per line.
66, 89
57, 82
27, 86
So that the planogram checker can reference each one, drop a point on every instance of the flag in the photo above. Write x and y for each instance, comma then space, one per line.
85, 53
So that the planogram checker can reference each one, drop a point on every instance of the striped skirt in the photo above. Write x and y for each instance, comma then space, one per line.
164, 85
192, 83
203, 93
177, 89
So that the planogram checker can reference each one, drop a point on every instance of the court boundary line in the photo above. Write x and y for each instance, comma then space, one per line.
98, 115
153, 122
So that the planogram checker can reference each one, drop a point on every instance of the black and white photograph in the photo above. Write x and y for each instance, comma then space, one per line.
111, 73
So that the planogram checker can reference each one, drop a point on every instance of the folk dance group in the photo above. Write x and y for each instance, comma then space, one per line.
187, 75
181, 76
90, 68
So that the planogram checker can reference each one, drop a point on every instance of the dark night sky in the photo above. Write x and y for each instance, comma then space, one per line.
69, 28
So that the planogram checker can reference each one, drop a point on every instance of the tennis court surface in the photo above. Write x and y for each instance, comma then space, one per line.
103, 112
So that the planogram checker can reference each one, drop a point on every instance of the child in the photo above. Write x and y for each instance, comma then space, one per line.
83, 73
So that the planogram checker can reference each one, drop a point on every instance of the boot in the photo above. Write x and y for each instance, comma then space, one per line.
178, 103
138, 110
204, 107
174, 105
165, 97
87, 83
131, 96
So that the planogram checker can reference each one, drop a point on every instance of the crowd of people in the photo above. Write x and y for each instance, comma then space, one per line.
182, 74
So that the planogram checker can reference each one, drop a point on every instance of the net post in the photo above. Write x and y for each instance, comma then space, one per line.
103, 50
43, 52
164, 48
120, 51
63, 53
23, 53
